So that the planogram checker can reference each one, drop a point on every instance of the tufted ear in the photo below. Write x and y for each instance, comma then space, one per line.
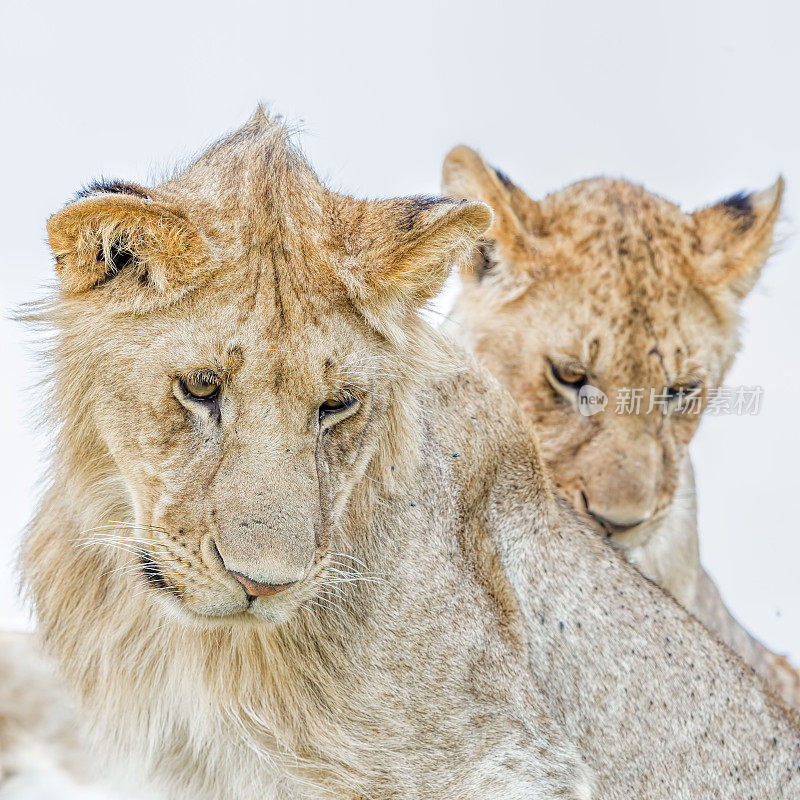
735, 238
407, 247
116, 239
517, 218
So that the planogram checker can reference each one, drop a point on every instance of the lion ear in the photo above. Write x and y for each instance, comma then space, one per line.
408, 247
517, 218
140, 253
735, 239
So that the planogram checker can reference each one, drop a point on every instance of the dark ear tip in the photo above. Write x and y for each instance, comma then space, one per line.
504, 179
739, 204
103, 186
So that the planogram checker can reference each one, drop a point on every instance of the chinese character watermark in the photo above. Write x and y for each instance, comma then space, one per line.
629, 401
734, 400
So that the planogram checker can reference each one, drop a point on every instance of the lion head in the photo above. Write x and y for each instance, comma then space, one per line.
611, 316
234, 351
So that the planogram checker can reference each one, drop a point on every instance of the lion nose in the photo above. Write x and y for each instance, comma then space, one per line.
258, 589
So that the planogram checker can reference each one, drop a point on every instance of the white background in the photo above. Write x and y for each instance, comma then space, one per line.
694, 99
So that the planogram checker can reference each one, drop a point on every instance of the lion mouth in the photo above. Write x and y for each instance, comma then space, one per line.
617, 530
632, 535
237, 598
628, 536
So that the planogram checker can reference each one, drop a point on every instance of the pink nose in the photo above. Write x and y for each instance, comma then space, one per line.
257, 589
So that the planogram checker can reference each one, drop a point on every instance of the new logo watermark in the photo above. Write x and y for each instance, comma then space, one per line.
736, 400
591, 400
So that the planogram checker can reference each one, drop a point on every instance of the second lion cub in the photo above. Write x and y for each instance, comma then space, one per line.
605, 293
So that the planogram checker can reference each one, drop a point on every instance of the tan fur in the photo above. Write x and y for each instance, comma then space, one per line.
414, 657
608, 279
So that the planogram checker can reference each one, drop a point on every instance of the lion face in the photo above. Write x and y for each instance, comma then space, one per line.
611, 316
555, 345
231, 356
239, 443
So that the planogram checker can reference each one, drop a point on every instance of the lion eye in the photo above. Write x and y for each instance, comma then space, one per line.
570, 375
336, 406
681, 391
201, 386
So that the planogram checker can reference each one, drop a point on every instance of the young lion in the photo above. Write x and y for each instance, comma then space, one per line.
606, 285
296, 546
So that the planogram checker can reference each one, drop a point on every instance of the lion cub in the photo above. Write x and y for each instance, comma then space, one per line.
612, 317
